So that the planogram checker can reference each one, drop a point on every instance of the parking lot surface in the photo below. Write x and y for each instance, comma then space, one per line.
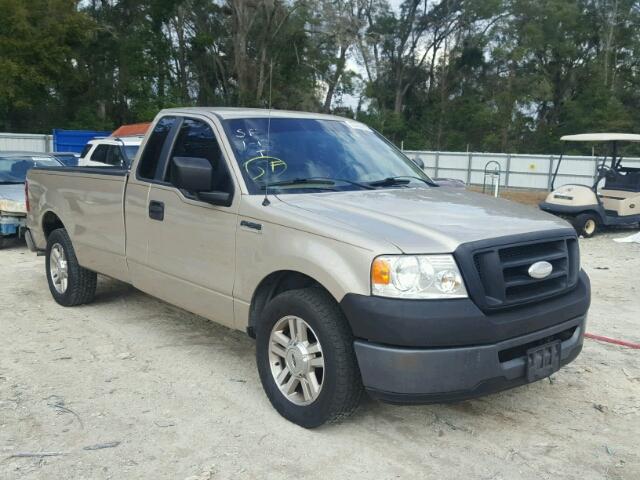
130, 387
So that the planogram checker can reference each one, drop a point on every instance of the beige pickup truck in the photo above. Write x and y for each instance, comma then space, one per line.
348, 264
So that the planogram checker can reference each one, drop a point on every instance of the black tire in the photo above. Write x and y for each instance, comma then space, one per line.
81, 283
341, 387
586, 224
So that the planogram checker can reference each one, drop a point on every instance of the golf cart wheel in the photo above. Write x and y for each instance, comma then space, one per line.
305, 357
69, 283
586, 224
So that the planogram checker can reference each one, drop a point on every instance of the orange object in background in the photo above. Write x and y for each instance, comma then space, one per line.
131, 130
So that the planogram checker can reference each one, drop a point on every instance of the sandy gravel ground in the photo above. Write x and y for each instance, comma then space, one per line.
131, 388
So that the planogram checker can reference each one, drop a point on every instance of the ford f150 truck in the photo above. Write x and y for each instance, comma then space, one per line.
348, 264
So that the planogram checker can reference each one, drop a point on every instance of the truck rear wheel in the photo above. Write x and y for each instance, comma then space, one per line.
586, 224
305, 358
69, 283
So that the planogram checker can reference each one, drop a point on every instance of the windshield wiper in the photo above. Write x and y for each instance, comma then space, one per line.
399, 180
326, 181
304, 182
344, 180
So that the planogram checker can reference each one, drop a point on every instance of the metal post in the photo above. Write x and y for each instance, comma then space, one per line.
435, 174
469, 168
506, 178
550, 172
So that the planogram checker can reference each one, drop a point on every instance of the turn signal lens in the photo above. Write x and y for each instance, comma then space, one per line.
380, 272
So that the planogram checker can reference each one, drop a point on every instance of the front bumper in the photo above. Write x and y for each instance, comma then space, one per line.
410, 375
413, 351
458, 322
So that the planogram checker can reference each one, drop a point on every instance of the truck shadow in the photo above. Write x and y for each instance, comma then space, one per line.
110, 290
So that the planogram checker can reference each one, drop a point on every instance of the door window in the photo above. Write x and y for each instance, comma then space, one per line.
196, 139
100, 154
153, 149
114, 156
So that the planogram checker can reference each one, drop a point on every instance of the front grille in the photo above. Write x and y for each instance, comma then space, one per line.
502, 271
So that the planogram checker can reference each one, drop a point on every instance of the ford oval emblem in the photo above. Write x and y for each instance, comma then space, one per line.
540, 270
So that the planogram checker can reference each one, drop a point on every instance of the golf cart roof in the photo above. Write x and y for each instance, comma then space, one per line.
602, 137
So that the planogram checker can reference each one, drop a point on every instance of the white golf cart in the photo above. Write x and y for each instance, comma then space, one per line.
612, 202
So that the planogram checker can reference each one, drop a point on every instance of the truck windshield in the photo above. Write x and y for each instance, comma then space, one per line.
299, 155
14, 169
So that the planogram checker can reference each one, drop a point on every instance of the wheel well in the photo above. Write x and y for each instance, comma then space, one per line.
273, 285
50, 222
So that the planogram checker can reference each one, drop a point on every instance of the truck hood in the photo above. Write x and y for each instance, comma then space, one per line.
427, 220
12, 199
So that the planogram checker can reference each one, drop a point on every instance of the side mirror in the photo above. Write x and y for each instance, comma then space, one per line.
195, 175
418, 161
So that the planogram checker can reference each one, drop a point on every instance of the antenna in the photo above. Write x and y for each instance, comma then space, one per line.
266, 201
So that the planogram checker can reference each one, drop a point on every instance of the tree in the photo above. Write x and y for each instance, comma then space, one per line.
508, 75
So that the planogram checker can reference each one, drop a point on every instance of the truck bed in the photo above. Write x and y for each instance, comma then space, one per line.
88, 201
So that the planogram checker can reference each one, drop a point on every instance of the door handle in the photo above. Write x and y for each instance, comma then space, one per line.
156, 210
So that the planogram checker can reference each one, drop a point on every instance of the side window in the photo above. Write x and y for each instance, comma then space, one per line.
100, 154
196, 139
114, 157
153, 148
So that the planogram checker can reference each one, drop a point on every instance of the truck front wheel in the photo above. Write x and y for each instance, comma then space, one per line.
305, 358
69, 283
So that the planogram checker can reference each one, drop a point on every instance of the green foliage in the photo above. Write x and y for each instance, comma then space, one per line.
501, 75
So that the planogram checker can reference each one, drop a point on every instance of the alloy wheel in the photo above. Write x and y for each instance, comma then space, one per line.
58, 268
296, 360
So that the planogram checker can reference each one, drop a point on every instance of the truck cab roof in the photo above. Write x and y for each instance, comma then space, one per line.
225, 113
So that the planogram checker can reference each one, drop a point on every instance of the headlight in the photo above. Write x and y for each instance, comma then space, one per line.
417, 276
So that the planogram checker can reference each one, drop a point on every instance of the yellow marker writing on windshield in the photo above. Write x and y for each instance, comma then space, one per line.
273, 163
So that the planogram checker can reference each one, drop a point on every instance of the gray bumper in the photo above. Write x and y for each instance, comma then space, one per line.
413, 375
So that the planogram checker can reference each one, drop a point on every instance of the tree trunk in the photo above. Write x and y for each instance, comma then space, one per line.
399, 94
241, 27
609, 42
333, 83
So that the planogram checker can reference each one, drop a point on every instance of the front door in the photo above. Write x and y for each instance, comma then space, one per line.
190, 257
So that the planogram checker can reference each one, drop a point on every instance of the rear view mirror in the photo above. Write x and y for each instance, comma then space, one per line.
195, 175
191, 174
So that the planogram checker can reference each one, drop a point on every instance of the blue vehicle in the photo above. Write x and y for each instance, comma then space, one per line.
13, 172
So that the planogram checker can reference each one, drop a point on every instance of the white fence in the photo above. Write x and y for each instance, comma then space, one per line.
26, 142
516, 170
